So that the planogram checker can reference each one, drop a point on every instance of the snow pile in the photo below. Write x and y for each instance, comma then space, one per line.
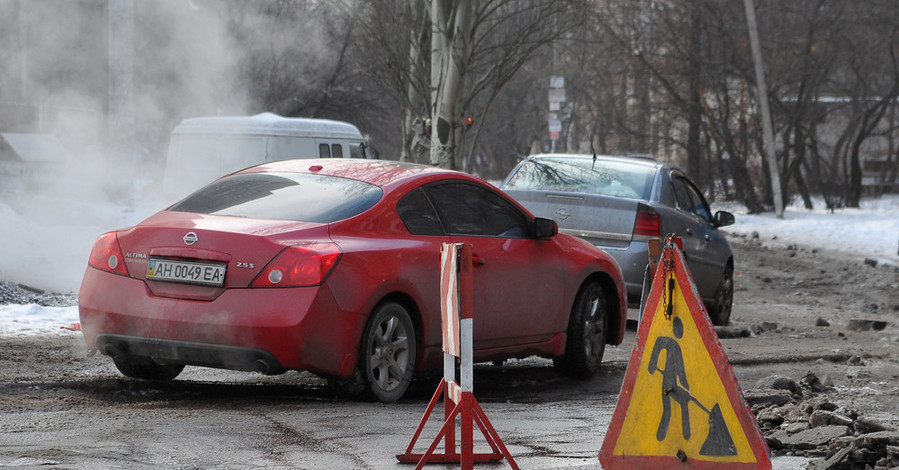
51, 251
871, 231
34, 319
26, 311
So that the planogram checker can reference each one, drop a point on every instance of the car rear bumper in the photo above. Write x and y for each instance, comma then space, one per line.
632, 260
191, 353
289, 328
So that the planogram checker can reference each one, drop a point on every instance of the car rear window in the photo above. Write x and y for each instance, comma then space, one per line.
584, 175
283, 196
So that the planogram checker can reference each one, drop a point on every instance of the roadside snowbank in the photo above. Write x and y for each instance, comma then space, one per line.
871, 231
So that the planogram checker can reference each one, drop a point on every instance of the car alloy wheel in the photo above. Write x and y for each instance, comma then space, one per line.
388, 352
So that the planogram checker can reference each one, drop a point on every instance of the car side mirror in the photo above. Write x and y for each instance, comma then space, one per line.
724, 218
545, 228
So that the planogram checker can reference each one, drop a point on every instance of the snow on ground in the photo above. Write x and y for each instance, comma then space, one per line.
34, 319
50, 252
871, 231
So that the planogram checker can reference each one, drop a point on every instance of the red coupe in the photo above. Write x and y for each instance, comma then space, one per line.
332, 266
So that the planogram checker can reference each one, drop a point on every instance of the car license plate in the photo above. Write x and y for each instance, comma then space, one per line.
206, 274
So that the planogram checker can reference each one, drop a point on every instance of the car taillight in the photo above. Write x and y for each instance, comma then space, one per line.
648, 223
299, 265
107, 256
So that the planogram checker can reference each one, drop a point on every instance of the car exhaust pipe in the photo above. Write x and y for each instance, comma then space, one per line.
111, 350
263, 367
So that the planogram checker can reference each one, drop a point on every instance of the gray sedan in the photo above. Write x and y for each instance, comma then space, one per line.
619, 204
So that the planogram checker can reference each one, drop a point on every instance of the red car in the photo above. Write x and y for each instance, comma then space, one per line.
332, 266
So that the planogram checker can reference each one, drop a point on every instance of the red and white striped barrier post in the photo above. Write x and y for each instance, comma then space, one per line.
456, 315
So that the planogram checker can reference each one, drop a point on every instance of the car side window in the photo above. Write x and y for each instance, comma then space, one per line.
469, 209
336, 151
700, 207
418, 214
689, 199
324, 151
681, 196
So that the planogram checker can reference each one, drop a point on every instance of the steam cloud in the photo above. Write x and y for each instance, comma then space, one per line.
65, 74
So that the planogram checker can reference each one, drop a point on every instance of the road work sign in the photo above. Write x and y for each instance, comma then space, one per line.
680, 405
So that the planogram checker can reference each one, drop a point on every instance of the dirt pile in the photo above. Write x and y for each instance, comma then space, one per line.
12, 293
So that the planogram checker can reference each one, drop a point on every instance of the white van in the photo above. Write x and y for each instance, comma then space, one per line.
203, 149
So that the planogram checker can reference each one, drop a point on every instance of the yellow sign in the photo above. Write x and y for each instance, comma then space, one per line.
680, 404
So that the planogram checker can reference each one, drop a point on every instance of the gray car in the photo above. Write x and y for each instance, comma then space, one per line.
619, 204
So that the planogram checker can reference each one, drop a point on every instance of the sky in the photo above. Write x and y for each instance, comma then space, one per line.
51, 251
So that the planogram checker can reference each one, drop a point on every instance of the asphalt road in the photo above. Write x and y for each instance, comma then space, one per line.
62, 409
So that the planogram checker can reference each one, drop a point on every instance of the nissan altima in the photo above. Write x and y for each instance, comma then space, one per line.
332, 266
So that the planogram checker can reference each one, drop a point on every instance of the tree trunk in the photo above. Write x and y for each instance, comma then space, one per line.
450, 50
694, 112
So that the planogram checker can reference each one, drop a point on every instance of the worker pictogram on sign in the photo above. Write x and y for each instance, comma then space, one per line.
680, 405
458, 397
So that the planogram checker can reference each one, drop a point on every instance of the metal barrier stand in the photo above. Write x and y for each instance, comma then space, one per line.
456, 311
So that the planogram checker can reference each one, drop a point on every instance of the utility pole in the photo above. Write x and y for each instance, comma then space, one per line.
767, 128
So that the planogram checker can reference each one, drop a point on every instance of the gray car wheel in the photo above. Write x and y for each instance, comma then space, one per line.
587, 328
388, 352
719, 310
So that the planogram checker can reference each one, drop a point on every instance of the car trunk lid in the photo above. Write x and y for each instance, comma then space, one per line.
197, 256
601, 220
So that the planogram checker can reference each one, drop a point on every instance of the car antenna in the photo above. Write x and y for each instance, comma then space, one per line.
594, 158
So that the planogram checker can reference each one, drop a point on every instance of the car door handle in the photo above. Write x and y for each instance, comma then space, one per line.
477, 260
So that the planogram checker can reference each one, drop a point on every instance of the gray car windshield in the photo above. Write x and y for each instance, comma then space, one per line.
283, 196
584, 175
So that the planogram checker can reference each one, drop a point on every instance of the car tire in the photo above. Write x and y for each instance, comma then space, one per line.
721, 306
142, 367
387, 355
587, 329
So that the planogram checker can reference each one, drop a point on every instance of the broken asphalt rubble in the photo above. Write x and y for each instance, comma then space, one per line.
796, 420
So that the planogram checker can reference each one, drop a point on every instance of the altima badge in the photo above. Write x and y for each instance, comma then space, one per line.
563, 213
190, 238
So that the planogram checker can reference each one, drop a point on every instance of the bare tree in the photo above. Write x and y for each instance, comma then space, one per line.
451, 43
872, 82
391, 43
459, 66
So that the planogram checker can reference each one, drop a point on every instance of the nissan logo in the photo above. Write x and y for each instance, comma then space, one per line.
563, 213
190, 238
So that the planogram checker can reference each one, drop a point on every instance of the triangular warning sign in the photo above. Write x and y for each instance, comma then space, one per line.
680, 405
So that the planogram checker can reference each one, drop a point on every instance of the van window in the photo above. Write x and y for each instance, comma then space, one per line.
336, 151
324, 151
356, 151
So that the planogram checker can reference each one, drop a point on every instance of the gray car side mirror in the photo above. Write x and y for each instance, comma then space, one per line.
723, 219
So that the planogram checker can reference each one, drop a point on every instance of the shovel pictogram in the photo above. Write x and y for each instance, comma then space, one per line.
718, 443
